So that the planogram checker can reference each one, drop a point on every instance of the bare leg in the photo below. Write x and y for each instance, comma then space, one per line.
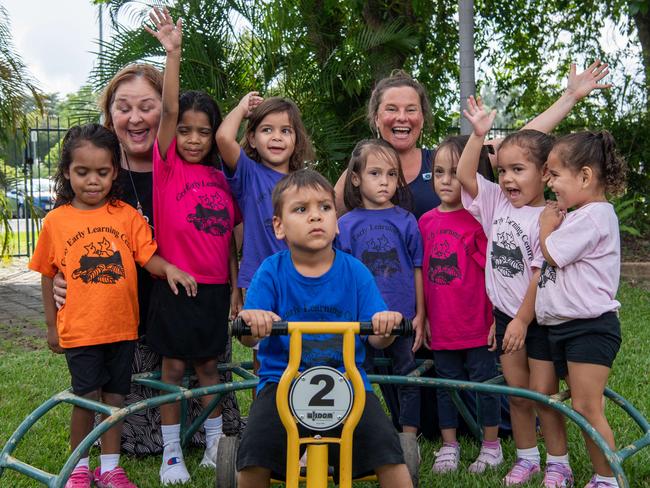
491, 433
394, 476
81, 422
208, 375
448, 435
172, 373
112, 437
254, 477
588, 383
544, 380
522, 411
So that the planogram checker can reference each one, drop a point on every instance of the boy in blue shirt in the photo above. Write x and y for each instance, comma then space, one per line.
313, 282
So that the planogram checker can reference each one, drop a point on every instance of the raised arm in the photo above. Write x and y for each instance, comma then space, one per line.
170, 36
481, 121
338, 191
227, 133
578, 87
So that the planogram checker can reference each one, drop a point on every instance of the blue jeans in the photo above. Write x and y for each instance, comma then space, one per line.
475, 364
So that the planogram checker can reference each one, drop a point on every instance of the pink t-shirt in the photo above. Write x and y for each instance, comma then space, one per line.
586, 248
513, 244
457, 306
194, 214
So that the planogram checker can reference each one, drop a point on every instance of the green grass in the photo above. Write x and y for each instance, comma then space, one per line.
29, 377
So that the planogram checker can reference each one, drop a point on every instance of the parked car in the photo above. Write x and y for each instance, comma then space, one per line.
41, 191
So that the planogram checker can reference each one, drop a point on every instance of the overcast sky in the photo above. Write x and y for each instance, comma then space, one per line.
55, 40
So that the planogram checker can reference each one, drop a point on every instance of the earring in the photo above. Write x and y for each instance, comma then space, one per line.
378, 134
421, 137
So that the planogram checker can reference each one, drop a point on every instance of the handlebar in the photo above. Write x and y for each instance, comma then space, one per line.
238, 328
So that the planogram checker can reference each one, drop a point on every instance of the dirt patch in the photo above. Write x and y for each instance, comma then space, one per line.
23, 336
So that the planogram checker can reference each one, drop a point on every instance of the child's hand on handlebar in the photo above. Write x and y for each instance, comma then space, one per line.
260, 322
384, 322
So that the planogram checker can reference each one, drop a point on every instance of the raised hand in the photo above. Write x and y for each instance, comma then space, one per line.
581, 85
479, 116
170, 35
249, 102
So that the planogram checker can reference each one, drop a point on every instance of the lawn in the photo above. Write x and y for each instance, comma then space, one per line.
30, 376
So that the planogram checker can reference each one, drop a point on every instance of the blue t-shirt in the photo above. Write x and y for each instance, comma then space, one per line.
424, 198
388, 242
252, 184
347, 292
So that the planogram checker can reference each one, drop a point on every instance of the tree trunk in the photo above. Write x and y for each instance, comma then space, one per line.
466, 48
642, 21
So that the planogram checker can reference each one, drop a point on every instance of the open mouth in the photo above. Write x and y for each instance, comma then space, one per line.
139, 135
401, 131
513, 192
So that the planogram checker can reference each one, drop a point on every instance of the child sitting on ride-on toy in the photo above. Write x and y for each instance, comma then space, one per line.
313, 282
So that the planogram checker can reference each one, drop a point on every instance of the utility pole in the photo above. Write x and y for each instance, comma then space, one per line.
466, 48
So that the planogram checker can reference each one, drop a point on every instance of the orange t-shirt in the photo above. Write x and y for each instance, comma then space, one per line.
96, 250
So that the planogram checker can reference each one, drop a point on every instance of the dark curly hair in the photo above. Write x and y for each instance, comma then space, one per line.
598, 151
199, 101
303, 150
352, 194
100, 137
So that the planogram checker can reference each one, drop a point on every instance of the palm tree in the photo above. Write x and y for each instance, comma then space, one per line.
16, 86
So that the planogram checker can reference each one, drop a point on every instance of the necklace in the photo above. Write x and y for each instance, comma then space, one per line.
138, 206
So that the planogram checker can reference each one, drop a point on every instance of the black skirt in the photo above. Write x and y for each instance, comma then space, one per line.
185, 327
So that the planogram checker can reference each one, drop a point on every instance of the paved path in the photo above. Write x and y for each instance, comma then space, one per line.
20, 294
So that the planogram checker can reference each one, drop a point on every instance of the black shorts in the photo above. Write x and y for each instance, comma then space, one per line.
185, 327
264, 441
592, 341
105, 367
537, 345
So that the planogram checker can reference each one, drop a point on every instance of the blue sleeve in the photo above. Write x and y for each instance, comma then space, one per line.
369, 297
414, 241
238, 179
262, 292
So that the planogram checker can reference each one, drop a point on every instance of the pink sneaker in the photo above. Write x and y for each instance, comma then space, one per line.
558, 475
80, 477
446, 459
522, 472
115, 478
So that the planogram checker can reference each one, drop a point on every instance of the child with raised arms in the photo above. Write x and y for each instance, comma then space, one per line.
458, 333
576, 296
385, 237
509, 214
95, 240
194, 214
313, 282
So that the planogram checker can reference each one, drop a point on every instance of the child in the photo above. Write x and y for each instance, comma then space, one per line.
577, 289
194, 215
509, 214
313, 282
95, 240
454, 255
385, 238
275, 143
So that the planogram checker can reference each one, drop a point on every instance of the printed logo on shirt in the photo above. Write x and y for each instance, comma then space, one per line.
426, 176
549, 273
326, 350
443, 264
507, 258
381, 259
100, 264
210, 215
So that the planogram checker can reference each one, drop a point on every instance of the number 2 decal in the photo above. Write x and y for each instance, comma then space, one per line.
319, 400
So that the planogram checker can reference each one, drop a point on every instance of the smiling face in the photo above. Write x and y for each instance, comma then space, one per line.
194, 136
135, 113
308, 219
445, 183
377, 182
520, 179
399, 117
91, 174
274, 140
568, 185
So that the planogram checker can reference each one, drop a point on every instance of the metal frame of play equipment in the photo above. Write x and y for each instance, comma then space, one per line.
495, 386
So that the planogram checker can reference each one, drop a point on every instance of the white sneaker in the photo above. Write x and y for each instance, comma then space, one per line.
173, 471
210, 456
487, 458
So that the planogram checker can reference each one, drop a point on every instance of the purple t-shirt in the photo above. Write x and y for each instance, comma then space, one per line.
252, 184
388, 242
586, 248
